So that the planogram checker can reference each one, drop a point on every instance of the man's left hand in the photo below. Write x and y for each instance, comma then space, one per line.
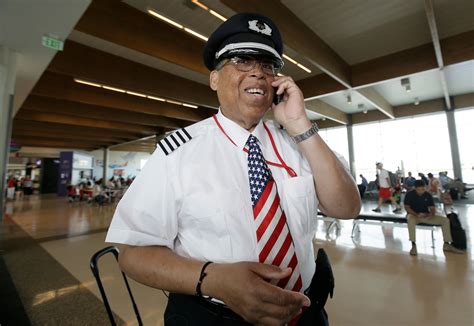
290, 112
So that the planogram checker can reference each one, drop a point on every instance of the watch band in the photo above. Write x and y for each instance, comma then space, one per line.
305, 135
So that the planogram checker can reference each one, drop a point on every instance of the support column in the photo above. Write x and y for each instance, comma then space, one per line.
105, 161
350, 144
7, 83
453, 140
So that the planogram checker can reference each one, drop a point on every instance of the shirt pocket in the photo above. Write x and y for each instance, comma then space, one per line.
205, 219
301, 204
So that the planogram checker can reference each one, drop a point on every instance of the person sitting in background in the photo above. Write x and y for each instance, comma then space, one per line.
420, 207
362, 186
434, 186
71, 193
99, 194
448, 183
409, 182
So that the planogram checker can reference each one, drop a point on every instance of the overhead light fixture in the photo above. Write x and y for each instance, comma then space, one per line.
190, 105
349, 99
406, 84
177, 25
212, 12
85, 82
324, 119
365, 111
290, 59
417, 101
361, 107
156, 98
135, 94
114, 89
190, 31
203, 6
304, 68
166, 19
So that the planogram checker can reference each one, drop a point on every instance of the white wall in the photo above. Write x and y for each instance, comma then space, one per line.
130, 162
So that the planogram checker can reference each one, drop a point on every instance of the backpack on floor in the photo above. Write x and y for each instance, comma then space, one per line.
457, 232
454, 193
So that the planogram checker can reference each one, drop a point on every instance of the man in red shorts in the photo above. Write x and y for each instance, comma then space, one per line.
385, 189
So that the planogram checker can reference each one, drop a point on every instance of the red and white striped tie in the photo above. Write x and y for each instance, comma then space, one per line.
274, 242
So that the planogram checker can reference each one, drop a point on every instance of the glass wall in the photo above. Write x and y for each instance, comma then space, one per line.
465, 132
336, 138
416, 144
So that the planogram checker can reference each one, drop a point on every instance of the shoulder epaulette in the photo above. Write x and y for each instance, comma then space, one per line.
171, 142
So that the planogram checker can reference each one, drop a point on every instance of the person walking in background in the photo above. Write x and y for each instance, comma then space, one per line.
385, 189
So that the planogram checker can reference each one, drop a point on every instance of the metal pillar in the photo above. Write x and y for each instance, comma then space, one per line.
350, 144
7, 82
105, 165
453, 140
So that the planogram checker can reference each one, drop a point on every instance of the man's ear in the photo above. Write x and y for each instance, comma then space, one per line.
214, 79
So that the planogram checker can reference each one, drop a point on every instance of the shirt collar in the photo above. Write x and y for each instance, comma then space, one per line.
238, 134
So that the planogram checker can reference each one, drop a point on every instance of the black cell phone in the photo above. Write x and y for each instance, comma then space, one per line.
276, 98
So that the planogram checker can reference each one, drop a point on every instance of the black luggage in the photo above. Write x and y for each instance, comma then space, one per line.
457, 232
454, 194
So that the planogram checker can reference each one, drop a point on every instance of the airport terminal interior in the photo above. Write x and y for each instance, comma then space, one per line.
89, 88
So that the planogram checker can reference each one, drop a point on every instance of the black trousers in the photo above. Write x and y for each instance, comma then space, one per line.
186, 310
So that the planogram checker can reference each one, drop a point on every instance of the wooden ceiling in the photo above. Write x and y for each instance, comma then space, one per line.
62, 113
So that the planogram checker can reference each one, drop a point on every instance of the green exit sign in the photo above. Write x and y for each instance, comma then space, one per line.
53, 43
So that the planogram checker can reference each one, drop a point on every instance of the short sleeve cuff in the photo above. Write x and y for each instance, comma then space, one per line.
135, 238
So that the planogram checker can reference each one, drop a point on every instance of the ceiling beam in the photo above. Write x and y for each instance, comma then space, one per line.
119, 23
62, 135
327, 110
84, 62
123, 135
44, 104
318, 86
63, 87
456, 49
55, 144
92, 143
85, 122
408, 110
298, 36
374, 97
429, 9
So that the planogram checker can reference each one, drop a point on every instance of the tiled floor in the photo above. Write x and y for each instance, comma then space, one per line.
377, 282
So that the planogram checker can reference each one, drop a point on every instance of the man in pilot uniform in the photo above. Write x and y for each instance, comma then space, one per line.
223, 214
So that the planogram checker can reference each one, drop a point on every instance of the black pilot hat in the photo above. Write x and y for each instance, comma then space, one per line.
244, 33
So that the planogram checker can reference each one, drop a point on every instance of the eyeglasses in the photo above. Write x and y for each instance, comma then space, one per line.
247, 63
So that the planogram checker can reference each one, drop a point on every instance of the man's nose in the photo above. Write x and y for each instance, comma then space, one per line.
257, 70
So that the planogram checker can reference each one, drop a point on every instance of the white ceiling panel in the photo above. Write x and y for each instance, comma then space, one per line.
425, 86
460, 78
339, 100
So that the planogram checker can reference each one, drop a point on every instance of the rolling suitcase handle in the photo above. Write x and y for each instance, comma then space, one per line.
95, 271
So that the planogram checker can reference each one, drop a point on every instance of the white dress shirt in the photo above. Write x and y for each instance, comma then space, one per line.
196, 198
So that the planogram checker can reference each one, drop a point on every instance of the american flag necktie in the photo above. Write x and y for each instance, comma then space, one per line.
274, 242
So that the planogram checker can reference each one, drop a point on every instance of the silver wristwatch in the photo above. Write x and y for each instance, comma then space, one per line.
305, 135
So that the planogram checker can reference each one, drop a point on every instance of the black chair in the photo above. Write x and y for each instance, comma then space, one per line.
95, 270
